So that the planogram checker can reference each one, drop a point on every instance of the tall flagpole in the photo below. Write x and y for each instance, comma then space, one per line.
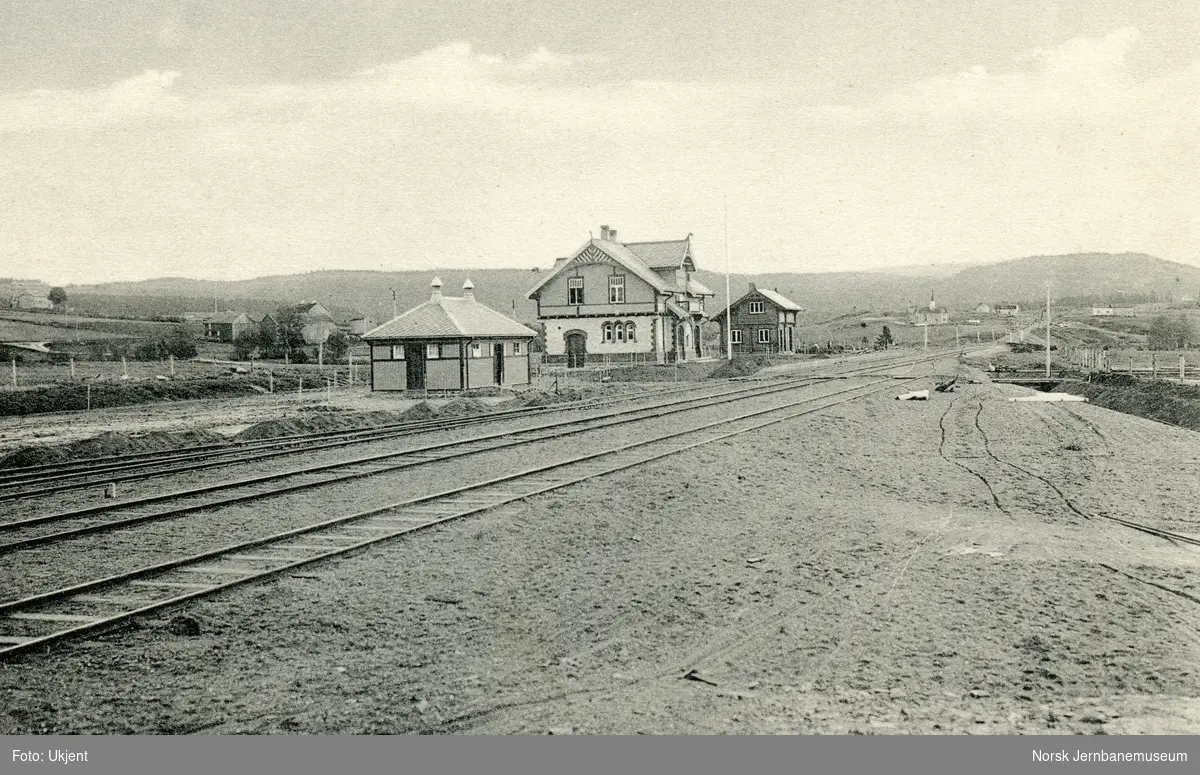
1047, 328
728, 319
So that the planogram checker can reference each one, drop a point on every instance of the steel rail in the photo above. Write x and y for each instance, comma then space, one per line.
214, 455
558, 429
22, 645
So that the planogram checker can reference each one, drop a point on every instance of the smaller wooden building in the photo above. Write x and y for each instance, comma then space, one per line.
449, 343
763, 321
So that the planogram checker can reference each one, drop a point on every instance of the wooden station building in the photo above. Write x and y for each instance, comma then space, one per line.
449, 343
763, 321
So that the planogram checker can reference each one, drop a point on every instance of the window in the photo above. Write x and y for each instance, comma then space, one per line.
620, 327
575, 290
476, 350
432, 351
630, 330
397, 352
757, 308
616, 289
735, 336
764, 336
608, 332
516, 348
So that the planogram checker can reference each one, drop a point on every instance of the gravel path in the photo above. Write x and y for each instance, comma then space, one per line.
886, 567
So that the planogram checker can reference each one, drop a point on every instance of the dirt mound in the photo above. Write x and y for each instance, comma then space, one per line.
462, 407
421, 411
740, 367
320, 420
110, 445
1154, 400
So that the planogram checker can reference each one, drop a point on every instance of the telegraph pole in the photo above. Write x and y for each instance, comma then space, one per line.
1047, 329
728, 317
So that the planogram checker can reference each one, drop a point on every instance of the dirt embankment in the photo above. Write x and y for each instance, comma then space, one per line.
1154, 400
314, 419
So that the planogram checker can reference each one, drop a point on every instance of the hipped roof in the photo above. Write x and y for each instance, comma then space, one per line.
449, 317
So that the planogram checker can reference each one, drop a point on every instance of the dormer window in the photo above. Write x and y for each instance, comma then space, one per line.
575, 290
616, 289
757, 307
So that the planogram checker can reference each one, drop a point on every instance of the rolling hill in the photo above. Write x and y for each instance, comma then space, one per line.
1023, 280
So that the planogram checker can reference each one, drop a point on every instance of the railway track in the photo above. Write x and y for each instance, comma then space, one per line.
50, 478
41, 620
110, 516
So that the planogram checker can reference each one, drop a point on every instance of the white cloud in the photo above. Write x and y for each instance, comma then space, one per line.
130, 99
1086, 75
427, 158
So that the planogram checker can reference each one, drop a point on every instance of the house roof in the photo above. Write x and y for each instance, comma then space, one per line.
781, 301
450, 317
636, 257
666, 254
223, 317
776, 298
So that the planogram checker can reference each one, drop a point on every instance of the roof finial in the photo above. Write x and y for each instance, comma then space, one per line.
436, 285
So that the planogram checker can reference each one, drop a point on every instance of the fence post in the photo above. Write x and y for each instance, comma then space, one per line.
270, 382
72, 368
172, 359
14, 367
124, 368
1131, 365
89, 396
300, 386
1153, 365
1181, 365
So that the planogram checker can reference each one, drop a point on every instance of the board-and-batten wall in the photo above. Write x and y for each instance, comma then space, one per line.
445, 373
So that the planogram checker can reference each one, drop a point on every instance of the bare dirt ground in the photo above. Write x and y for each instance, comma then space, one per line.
224, 416
885, 567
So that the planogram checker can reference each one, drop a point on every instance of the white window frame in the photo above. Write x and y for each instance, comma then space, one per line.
433, 351
735, 335
764, 336
619, 330
616, 289
631, 332
574, 289
516, 347
397, 352
606, 333
476, 349
758, 307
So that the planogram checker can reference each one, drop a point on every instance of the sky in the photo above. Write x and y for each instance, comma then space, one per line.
229, 139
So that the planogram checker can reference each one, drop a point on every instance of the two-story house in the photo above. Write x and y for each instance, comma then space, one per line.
763, 321
622, 301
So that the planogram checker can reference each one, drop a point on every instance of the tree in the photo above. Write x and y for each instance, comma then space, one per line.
884, 339
57, 296
245, 345
1170, 333
180, 343
336, 346
289, 334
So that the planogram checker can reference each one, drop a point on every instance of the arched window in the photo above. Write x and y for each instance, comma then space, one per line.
630, 330
608, 332
620, 329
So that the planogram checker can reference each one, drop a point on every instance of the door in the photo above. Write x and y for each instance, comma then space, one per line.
498, 364
414, 360
576, 349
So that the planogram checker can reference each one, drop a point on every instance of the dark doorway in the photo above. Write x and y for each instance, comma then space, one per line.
576, 349
414, 359
498, 364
